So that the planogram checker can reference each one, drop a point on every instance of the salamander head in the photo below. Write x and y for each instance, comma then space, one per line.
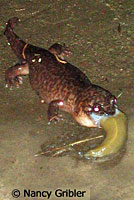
99, 104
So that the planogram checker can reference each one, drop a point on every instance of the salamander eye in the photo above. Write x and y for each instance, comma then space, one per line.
96, 108
113, 100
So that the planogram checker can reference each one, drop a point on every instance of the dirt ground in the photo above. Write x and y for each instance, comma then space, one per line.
101, 35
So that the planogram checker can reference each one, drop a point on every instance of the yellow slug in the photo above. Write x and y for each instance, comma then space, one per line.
116, 135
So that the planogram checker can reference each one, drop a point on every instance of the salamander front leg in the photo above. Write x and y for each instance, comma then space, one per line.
14, 73
53, 110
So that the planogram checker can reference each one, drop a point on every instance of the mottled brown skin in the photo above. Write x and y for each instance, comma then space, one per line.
57, 82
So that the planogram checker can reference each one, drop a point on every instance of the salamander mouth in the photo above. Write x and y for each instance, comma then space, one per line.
97, 117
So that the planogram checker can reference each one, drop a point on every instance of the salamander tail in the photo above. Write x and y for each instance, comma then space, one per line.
11, 24
14, 41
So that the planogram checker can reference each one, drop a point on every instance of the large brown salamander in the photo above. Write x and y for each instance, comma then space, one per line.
58, 83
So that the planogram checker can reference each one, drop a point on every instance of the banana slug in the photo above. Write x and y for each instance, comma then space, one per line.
116, 134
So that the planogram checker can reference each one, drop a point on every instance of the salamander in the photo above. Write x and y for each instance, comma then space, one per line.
58, 83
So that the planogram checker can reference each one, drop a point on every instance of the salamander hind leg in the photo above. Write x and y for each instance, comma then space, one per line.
60, 51
14, 73
53, 110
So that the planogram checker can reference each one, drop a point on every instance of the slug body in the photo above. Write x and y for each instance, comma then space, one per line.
58, 83
116, 135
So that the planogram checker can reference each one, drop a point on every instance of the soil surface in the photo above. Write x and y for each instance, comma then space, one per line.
101, 35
